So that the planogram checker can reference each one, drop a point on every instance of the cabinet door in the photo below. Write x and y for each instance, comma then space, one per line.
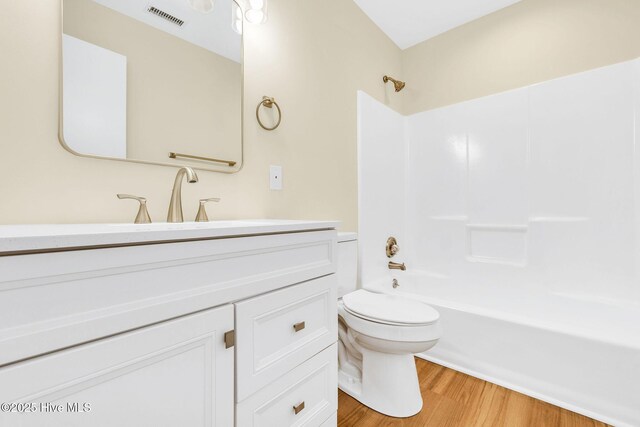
175, 373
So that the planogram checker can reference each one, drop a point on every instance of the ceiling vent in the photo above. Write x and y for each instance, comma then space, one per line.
166, 16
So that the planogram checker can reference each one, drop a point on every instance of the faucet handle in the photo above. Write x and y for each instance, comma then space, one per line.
143, 214
392, 247
202, 212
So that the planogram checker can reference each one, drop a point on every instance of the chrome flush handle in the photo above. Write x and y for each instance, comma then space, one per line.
202, 212
143, 214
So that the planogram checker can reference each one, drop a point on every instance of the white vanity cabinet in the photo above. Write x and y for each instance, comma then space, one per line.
229, 330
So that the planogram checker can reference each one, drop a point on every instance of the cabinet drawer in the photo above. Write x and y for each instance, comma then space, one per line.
309, 388
278, 331
332, 421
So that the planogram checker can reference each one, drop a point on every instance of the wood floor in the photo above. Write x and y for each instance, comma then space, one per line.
458, 400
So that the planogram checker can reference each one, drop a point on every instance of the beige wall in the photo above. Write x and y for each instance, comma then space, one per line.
311, 55
165, 76
529, 42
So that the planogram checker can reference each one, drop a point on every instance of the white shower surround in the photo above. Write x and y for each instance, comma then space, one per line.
517, 215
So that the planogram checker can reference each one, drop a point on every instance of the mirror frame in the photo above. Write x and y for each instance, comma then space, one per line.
223, 169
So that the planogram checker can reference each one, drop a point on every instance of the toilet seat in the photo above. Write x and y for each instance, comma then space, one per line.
387, 331
389, 309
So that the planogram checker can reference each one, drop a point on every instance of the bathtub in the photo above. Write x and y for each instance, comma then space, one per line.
576, 353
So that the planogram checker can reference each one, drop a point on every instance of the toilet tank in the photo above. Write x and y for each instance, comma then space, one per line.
347, 271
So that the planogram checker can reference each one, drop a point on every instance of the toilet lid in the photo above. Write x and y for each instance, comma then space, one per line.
389, 308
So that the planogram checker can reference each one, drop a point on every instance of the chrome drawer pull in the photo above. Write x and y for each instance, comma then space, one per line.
298, 327
298, 408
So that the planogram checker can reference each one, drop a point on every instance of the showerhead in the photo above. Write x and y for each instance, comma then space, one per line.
397, 84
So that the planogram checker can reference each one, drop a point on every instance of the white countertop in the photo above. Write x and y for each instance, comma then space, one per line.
15, 239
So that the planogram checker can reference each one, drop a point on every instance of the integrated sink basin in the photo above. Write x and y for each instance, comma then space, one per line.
18, 239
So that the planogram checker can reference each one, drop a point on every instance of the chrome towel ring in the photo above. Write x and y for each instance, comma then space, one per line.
268, 102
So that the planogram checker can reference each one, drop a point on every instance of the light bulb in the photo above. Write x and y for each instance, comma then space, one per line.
256, 12
237, 19
254, 16
237, 26
202, 6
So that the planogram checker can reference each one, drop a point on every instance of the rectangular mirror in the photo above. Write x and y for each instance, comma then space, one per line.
153, 81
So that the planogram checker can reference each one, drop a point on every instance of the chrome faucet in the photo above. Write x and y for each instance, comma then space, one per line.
396, 266
175, 206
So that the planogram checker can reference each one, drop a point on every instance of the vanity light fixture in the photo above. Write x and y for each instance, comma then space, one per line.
202, 6
256, 12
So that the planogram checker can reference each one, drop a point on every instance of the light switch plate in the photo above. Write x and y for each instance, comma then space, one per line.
275, 177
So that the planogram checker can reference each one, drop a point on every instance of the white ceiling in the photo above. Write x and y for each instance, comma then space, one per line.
409, 22
211, 31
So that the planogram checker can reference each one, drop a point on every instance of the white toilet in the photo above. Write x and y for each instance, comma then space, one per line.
378, 336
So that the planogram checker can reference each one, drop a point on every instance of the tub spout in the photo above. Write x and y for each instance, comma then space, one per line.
396, 266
